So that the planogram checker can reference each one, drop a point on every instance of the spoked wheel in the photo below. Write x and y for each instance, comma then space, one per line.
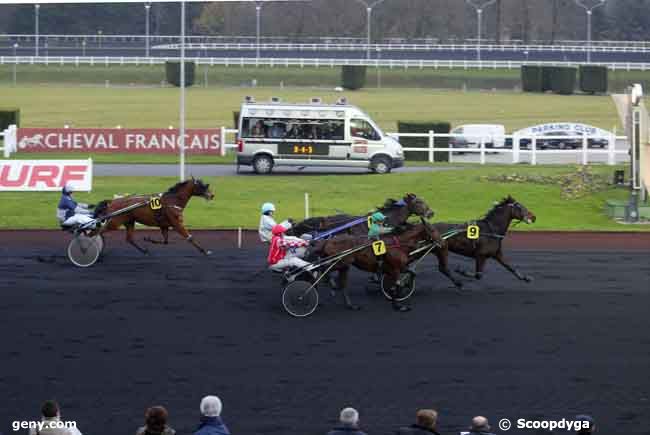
300, 298
83, 251
406, 291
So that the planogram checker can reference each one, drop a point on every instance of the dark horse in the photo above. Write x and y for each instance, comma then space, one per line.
396, 212
394, 263
165, 213
492, 230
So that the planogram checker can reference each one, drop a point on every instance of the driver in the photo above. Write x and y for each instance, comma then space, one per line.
377, 227
70, 212
267, 222
282, 253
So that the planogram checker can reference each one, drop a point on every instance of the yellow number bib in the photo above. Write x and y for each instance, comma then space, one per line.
154, 203
369, 222
379, 247
473, 232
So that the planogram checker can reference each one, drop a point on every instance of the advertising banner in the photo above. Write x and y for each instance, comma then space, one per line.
45, 175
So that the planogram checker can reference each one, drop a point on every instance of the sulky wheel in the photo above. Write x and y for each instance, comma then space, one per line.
300, 298
84, 251
406, 291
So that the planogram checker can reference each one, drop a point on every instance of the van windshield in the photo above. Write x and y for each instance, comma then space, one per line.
284, 128
363, 129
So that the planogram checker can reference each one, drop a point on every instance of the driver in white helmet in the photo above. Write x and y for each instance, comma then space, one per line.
267, 222
70, 212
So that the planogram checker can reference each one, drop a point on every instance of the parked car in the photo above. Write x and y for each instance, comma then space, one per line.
471, 136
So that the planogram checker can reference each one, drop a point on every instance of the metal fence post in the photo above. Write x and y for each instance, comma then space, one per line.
611, 147
482, 143
585, 147
431, 144
306, 205
533, 148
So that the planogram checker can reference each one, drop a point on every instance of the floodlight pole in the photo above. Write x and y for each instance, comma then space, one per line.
589, 11
37, 8
15, 62
181, 130
147, 8
479, 22
258, 18
369, 7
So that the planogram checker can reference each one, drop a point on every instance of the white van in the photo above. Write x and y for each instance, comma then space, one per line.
314, 134
471, 135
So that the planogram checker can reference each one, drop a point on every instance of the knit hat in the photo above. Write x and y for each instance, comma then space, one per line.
211, 406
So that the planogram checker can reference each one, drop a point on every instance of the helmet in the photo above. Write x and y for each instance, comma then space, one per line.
267, 207
277, 230
378, 217
68, 188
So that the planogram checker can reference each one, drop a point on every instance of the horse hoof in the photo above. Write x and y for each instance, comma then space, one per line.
401, 308
528, 278
354, 307
208, 252
333, 293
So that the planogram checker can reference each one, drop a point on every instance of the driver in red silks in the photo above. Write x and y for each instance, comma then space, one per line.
282, 251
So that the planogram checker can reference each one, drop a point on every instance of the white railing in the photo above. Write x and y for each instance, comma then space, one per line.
302, 62
9, 144
516, 150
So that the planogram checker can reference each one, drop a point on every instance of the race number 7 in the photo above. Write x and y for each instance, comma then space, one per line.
379, 247
473, 232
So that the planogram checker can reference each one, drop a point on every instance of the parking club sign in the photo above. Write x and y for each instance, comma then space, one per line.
572, 128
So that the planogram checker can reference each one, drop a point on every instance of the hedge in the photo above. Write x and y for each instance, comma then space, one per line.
353, 77
173, 73
423, 142
9, 117
564, 80
593, 79
531, 78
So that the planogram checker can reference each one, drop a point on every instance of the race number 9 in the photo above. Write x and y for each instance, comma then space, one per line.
473, 232
154, 203
379, 247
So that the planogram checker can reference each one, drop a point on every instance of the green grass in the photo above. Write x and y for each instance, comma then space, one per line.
455, 195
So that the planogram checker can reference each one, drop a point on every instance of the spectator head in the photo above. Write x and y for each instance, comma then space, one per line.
211, 406
156, 419
427, 418
588, 419
349, 417
50, 409
479, 424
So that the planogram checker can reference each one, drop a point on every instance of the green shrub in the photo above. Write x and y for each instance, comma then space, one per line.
564, 80
423, 142
9, 117
173, 73
235, 118
531, 78
547, 78
353, 77
593, 79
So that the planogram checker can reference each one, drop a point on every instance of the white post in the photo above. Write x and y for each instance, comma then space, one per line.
37, 7
533, 148
369, 17
239, 241
147, 8
222, 139
482, 144
306, 205
181, 129
611, 147
431, 144
585, 147
516, 146
479, 18
258, 11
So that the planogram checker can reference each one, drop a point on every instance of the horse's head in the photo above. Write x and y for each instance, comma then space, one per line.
519, 211
199, 188
417, 206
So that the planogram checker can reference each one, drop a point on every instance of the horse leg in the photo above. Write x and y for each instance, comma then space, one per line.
343, 281
502, 261
443, 266
130, 228
177, 224
165, 234
480, 265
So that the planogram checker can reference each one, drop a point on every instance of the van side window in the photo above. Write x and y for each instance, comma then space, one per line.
362, 128
252, 127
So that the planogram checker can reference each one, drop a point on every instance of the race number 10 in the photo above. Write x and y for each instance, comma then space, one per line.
473, 232
154, 203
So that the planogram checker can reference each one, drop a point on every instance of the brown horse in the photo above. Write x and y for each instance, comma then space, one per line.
164, 211
396, 212
394, 262
493, 228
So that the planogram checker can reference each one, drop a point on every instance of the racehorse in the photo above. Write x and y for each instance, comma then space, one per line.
164, 211
394, 262
396, 212
492, 229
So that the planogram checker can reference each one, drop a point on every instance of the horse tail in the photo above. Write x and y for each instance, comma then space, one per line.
101, 208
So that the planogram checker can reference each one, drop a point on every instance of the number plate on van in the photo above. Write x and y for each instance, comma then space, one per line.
304, 149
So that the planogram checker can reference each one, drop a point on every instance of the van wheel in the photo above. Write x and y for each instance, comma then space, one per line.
381, 165
263, 164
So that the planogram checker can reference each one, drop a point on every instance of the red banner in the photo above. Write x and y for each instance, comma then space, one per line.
117, 140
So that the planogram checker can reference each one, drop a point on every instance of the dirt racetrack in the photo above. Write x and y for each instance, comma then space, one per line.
136, 331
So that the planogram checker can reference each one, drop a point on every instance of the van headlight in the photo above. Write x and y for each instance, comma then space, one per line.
399, 153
